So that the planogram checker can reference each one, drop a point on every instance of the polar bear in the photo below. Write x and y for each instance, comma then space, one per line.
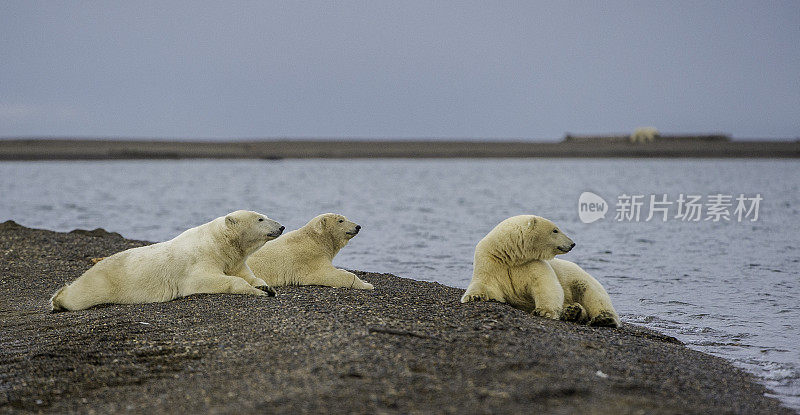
304, 256
644, 135
515, 264
209, 258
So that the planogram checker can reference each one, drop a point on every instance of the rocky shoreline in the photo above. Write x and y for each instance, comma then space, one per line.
408, 346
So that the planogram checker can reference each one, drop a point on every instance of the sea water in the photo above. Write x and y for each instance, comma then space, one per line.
729, 287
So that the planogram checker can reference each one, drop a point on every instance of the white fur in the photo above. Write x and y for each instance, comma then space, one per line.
584, 294
644, 135
304, 256
209, 258
510, 266
515, 264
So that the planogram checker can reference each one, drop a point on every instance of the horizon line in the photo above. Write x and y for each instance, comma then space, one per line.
363, 138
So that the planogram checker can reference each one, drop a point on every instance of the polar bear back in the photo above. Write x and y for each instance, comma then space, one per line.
138, 275
155, 272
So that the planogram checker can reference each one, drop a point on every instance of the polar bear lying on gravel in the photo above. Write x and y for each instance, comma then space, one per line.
209, 258
515, 264
304, 256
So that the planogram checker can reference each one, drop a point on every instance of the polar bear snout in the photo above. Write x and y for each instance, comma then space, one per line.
566, 248
563, 242
277, 233
355, 230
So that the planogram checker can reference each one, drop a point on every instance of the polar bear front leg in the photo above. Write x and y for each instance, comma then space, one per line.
547, 292
484, 285
358, 283
339, 278
477, 291
212, 283
247, 274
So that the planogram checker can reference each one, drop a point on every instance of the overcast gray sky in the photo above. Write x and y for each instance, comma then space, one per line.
492, 69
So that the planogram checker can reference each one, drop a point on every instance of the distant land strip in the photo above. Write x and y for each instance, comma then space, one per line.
120, 149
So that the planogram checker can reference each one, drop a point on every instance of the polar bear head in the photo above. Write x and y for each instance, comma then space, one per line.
251, 230
524, 238
335, 228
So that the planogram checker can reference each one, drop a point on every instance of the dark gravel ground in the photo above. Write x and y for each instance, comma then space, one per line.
408, 347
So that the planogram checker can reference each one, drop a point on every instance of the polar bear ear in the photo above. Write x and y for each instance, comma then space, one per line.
532, 223
230, 220
321, 224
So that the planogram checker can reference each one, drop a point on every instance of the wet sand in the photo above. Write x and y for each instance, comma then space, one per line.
408, 346
98, 149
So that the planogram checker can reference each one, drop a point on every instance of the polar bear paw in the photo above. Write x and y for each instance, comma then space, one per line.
604, 319
267, 289
257, 282
366, 286
554, 314
475, 296
575, 312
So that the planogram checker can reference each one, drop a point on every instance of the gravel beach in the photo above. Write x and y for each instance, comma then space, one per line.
406, 347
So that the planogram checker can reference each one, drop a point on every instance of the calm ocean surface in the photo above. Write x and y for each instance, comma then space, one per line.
727, 288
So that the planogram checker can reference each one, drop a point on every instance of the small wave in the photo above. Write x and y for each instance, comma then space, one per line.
697, 330
773, 349
634, 318
652, 322
778, 373
675, 302
709, 343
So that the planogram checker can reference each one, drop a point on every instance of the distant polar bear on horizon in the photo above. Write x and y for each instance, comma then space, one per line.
644, 135
304, 256
209, 258
515, 264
